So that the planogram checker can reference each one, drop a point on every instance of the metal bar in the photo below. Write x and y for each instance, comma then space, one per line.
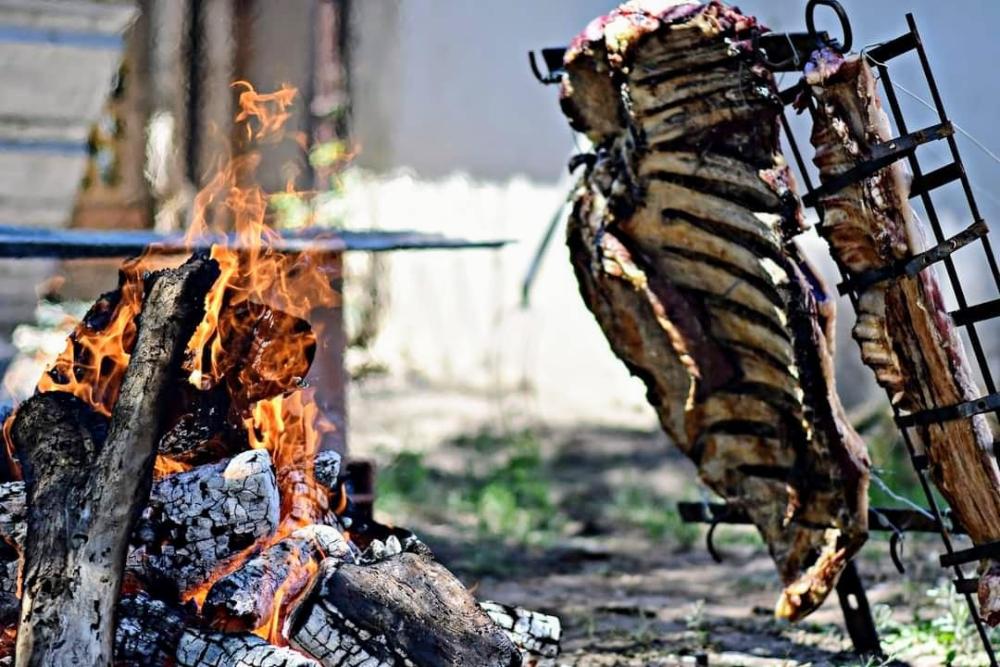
935, 179
857, 612
880, 519
977, 313
971, 555
946, 413
22, 243
882, 156
893, 48
914, 265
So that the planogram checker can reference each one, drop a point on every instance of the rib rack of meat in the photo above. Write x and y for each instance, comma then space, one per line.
680, 236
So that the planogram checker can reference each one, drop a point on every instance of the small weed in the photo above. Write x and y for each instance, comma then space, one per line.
940, 628
641, 508
505, 488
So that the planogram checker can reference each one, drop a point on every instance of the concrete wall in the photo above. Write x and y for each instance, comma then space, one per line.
442, 90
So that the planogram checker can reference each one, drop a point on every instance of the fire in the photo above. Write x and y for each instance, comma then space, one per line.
256, 339
290, 429
92, 365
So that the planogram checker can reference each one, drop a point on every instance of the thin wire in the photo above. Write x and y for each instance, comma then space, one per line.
975, 142
898, 498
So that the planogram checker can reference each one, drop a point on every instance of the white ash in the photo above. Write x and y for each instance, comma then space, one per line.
199, 518
198, 648
537, 635
13, 514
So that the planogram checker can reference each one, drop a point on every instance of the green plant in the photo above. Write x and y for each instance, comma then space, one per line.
940, 628
641, 508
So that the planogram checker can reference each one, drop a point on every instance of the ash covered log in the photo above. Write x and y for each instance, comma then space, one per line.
199, 648
197, 519
680, 239
535, 634
13, 524
245, 598
405, 608
94, 493
148, 631
904, 331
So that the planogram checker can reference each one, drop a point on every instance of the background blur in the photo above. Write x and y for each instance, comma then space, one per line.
452, 132
509, 435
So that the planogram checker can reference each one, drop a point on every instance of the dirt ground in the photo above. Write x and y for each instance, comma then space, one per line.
580, 521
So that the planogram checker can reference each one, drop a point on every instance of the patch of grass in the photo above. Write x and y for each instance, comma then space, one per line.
505, 487
940, 629
639, 507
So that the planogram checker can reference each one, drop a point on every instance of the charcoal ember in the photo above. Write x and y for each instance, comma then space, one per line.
198, 519
681, 240
406, 609
148, 631
199, 648
903, 328
279, 356
201, 432
245, 598
535, 634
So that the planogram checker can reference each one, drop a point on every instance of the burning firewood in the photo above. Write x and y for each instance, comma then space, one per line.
404, 608
148, 631
680, 239
198, 519
246, 598
216, 649
903, 328
71, 587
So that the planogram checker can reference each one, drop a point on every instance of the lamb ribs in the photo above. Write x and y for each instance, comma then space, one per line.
680, 237
903, 329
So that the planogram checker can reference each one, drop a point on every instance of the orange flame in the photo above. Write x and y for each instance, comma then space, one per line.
255, 340
92, 365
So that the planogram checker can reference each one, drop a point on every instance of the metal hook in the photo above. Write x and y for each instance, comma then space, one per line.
543, 78
710, 539
845, 23
895, 543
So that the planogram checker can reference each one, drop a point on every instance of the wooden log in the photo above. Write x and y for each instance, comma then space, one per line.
245, 598
148, 631
406, 609
198, 519
681, 239
199, 648
174, 517
71, 587
903, 328
535, 634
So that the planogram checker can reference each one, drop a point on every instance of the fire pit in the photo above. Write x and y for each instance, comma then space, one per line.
169, 492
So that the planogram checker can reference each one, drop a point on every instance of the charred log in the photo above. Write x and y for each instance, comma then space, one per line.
198, 519
680, 237
215, 649
93, 492
148, 631
903, 328
405, 608
245, 599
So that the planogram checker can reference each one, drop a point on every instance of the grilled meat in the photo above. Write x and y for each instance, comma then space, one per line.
680, 238
903, 328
